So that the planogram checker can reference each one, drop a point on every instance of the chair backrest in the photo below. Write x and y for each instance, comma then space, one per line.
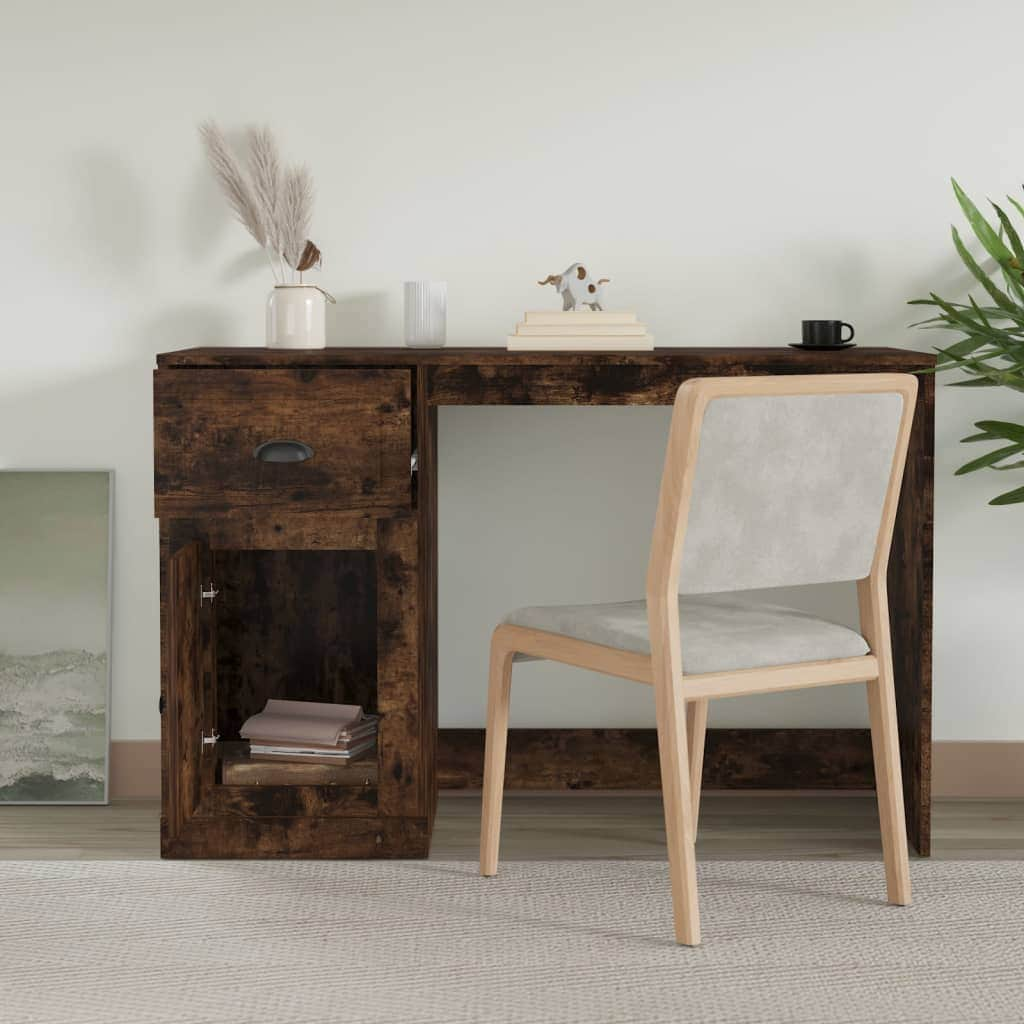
780, 481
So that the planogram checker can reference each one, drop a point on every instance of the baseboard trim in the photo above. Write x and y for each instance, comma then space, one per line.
134, 769
625, 759
978, 768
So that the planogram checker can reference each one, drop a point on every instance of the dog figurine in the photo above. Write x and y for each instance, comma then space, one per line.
577, 288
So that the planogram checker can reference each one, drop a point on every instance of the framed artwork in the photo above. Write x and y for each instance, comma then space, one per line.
55, 598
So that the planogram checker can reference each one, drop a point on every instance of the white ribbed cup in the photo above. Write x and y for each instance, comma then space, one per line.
426, 313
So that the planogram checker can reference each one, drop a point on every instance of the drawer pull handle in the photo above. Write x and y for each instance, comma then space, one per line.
283, 451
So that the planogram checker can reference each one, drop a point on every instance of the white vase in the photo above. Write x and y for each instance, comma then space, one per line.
426, 313
297, 316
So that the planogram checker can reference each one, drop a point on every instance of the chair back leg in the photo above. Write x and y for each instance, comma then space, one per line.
885, 745
496, 743
696, 735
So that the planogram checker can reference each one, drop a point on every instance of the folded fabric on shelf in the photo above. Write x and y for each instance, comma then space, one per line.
300, 721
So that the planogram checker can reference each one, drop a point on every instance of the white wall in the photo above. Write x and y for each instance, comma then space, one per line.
734, 168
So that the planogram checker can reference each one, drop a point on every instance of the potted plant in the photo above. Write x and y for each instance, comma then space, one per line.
991, 351
275, 206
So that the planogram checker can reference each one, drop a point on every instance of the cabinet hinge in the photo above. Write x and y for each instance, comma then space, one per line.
209, 741
207, 593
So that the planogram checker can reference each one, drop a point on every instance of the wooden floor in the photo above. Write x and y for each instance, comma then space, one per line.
578, 826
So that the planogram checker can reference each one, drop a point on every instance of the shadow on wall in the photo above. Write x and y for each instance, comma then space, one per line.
110, 217
362, 318
112, 226
206, 216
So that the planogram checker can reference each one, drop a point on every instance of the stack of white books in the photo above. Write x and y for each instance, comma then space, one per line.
300, 730
580, 331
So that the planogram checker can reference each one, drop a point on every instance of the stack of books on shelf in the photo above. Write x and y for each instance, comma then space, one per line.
580, 331
306, 731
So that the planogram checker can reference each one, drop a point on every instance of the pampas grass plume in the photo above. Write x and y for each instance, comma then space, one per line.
296, 214
232, 181
265, 168
274, 206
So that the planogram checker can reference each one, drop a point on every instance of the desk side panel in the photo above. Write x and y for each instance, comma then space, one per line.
910, 606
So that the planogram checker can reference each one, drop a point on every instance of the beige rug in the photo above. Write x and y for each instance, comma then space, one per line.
426, 941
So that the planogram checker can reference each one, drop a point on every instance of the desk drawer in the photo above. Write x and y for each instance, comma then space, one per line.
347, 439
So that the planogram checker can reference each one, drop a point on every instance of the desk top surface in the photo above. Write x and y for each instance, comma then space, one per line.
709, 361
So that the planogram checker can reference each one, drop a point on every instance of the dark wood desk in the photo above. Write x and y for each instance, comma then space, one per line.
327, 580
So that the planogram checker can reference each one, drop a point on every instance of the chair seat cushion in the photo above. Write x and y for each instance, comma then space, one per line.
720, 632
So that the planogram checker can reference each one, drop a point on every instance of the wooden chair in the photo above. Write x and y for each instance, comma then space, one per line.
768, 482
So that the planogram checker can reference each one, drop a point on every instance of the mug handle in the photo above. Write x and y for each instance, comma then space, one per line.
852, 332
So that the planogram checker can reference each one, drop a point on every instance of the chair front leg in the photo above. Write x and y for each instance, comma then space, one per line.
679, 819
670, 711
889, 786
496, 743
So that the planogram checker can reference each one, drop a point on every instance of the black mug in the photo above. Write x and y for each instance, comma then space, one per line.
826, 332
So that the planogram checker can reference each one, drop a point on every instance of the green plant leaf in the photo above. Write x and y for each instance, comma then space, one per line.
962, 348
1013, 281
1011, 431
977, 367
1015, 316
987, 363
940, 323
980, 382
1001, 299
990, 457
966, 354
1010, 465
987, 235
977, 309
1000, 359
1011, 232
1020, 209
977, 437
960, 318
986, 314
963, 321
997, 379
1009, 498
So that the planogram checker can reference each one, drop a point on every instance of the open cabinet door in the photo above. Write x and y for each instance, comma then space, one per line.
192, 682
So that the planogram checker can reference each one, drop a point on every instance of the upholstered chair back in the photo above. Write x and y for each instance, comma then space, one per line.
788, 483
